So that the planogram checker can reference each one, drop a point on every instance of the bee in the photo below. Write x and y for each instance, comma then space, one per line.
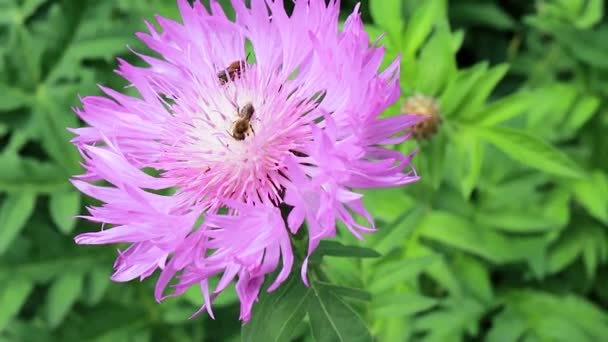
232, 72
242, 125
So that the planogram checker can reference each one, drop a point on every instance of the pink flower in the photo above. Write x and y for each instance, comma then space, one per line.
200, 165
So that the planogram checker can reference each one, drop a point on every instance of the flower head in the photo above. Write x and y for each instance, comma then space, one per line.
236, 121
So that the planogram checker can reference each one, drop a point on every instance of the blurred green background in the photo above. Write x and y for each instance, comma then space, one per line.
503, 239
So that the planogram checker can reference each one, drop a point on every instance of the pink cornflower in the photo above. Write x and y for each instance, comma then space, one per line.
201, 165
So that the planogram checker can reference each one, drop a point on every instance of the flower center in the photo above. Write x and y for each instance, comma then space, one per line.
231, 141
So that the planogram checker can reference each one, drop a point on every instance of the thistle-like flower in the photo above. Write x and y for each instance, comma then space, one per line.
236, 121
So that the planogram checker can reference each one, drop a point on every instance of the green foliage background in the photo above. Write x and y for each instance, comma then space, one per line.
503, 239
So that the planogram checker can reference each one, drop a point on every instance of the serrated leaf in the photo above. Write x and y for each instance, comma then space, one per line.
62, 295
12, 297
64, 206
530, 151
333, 320
277, 314
15, 211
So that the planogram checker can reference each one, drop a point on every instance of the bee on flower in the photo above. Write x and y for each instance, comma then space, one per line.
237, 145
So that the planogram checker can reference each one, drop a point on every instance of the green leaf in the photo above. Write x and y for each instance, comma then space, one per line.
591, 15
420, 25
16, 13
29, 57
12, 98
54, 122
28, 7
42, 271
530, 151
337, 249
475, 277
458, 232
550, 106
587, 241
459, 88
469, 152
15, 211
583, 111
96, 283
388, 15
432, 159
396, 234
333, 320
552, 318
64, 206
487, 14
103, 38
482, 89
27, 175
62, 295
460, 316
503, 109
402, 304
514, 221
387, 204
592, 193
566, 251
277, 314
12, 297
345, 291
507, 326
390, 274
586, 45
435, 66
